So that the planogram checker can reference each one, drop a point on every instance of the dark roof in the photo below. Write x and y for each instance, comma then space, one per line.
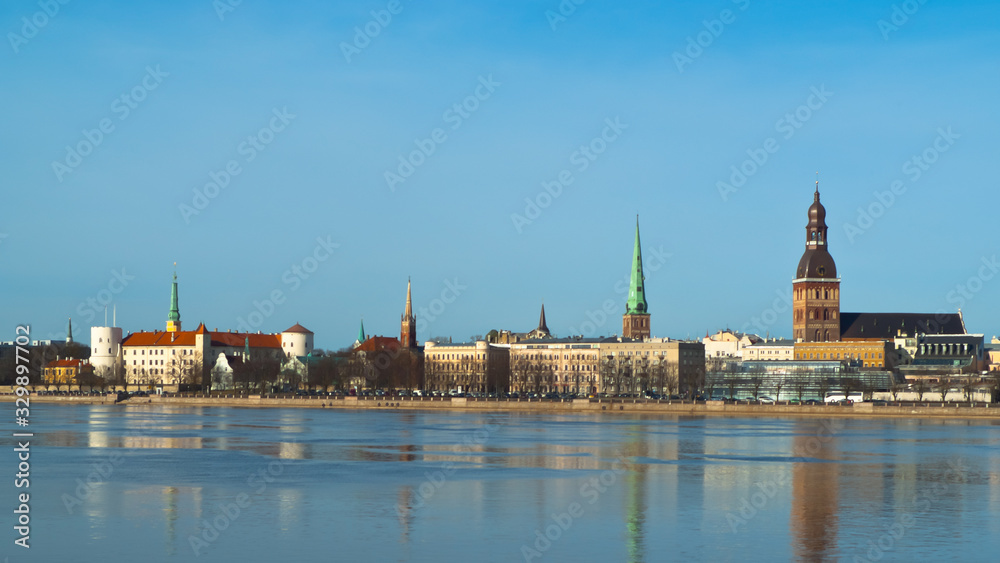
816, 263
887, 325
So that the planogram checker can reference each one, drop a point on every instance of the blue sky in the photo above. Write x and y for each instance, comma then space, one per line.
310, 116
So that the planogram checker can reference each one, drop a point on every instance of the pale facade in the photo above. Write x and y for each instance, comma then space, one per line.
771, 350
606, 365
477, 367
728, 344
166, 360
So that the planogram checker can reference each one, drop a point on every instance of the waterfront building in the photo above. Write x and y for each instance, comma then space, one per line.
478, 367
770, 350
823, 332
659, 365
606, 365
728, 344
166, 360
66, 371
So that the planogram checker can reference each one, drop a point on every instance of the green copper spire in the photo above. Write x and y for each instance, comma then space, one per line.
361, 332
636, 294
175, 313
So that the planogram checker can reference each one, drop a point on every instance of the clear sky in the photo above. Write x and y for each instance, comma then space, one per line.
118, 115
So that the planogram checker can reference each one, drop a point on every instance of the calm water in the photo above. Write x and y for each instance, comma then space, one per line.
227, 484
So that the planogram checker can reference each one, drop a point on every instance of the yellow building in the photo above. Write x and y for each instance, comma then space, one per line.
878, 354
65, 372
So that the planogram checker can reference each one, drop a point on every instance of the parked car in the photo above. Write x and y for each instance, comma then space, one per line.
766, 400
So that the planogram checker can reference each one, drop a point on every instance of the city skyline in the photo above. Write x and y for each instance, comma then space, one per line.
613, 111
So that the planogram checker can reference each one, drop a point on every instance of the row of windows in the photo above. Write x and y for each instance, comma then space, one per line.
837, 356
817, 293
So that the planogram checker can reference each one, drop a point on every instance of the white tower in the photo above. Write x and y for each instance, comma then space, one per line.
297, 341
105, 348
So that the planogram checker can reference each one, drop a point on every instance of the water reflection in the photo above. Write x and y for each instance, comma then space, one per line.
455, 485
815, 493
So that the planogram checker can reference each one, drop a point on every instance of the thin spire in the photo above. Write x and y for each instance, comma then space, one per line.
408, 313
69, 332
636, 292
174, 316
542, 327
361, 332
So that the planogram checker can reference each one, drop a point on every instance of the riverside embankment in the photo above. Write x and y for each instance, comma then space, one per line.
609, 406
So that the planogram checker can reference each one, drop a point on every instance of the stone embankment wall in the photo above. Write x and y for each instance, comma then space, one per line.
947, 410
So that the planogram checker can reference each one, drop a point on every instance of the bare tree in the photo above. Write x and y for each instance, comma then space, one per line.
921, 387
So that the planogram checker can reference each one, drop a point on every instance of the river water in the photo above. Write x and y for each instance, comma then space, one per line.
132, 483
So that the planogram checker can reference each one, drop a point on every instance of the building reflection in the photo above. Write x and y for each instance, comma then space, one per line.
815, 493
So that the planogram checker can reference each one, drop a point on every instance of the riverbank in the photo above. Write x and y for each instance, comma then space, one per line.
940, 410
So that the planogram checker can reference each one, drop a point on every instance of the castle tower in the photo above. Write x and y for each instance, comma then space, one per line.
297, 340
816, 287
105, 350
635, 321
174, 316
408, 324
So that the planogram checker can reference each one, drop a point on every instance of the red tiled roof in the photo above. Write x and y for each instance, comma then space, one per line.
376, 343
238, 339
298, 328
180, 338
187, 339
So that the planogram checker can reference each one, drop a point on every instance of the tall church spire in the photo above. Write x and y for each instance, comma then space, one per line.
636, 292
542, 327
174, 316
635, 322
408, 323
69, 332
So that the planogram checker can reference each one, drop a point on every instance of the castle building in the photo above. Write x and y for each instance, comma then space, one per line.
635, 321
168, 359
